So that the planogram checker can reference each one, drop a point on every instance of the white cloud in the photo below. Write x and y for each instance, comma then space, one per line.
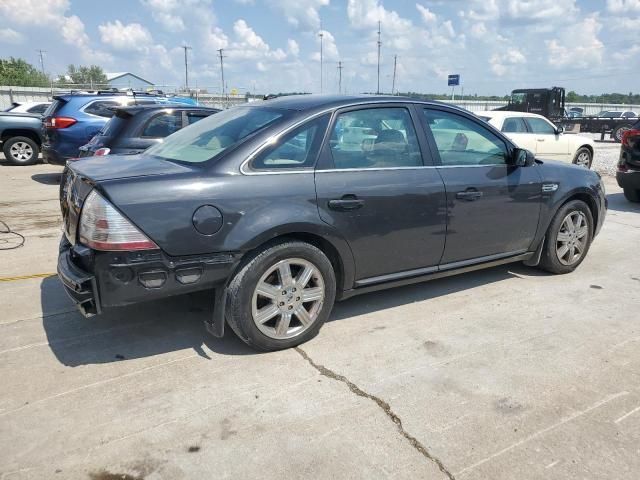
623, 6
501, 63
427, 15
329, 48
128, 37
34, 12
577, 46
8, 35
250, 45
302, 14
294, 48
626, 54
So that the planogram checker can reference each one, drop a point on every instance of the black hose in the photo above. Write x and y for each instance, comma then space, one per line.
3, 241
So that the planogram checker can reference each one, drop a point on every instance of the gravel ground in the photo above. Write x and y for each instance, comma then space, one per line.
606, 156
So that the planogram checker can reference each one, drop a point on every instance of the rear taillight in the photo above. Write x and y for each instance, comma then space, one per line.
102, 227
59, 122
102, 151
628, 135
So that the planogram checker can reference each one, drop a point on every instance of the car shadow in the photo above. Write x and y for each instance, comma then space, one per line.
142, 330
177, 323
619, 203
47, 178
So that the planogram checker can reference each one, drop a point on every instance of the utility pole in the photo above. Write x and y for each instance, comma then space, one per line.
186, 68
41, 52
321, 34
340, 67
393, 83
379, 45
222, 72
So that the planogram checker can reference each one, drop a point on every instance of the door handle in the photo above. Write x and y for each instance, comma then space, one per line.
540, 139
346, 203
469, 195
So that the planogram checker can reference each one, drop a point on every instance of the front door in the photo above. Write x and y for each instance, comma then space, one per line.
549, 144
493, 207
374, 188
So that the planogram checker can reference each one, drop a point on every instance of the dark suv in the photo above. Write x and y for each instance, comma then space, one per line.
282, 207
134, 129
628, 174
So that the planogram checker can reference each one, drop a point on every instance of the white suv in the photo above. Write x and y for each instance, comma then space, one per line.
539, 135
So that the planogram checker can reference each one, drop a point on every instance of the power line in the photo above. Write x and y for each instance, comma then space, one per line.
379, 45
41, 52
186, 67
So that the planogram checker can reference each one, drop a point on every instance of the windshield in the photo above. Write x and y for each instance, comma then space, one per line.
609, 114
209, 137
518, 98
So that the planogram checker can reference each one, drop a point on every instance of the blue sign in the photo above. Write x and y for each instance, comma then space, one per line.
454, 80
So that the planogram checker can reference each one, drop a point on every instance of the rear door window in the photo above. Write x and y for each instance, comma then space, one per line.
375, 138
514, 125
162, 125
40, 108
101, 108
193, 117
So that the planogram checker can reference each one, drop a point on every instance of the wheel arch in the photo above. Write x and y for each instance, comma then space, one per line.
17, 132
335, 248
586, 198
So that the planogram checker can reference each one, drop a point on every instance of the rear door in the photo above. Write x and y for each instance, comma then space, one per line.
493, 207
549, 144
516, 129
376, 188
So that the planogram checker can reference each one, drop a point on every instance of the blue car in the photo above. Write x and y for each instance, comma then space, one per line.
73, 119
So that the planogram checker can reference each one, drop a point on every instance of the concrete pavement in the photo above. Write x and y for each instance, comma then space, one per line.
501, 374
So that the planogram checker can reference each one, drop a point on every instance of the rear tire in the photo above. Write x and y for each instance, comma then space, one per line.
20, 151
266, 306
583, 158
568, 238
632, 194
617, 133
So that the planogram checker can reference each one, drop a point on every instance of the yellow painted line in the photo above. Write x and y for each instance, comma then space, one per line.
26, 277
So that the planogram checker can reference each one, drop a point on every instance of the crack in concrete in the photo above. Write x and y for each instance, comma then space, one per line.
386, 408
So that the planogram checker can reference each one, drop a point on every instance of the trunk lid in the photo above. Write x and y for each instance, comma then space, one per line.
81, 176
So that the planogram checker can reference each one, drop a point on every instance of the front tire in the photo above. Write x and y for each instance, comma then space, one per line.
568, 238
632, 194
20, 151
281, 296
583, 158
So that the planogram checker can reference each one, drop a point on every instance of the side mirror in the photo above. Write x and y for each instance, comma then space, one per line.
522, 157
559, 130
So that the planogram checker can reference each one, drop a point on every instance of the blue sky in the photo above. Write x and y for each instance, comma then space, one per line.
591, 46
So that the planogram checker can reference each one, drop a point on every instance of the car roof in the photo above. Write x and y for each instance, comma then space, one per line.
320, 101
506, 114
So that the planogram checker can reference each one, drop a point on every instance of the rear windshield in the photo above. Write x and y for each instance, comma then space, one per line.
211, 136
113, 126
54, 107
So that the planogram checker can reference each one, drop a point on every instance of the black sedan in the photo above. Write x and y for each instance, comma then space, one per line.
628, 174
134, 129
281, 208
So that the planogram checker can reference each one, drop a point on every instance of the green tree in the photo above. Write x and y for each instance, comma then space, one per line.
84, 77
19, 73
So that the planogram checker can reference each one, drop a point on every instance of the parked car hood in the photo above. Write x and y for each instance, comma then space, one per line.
111, 167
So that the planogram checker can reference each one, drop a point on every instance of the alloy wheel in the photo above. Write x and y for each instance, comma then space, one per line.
583, 159
21, 151
288, 298
572, 238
